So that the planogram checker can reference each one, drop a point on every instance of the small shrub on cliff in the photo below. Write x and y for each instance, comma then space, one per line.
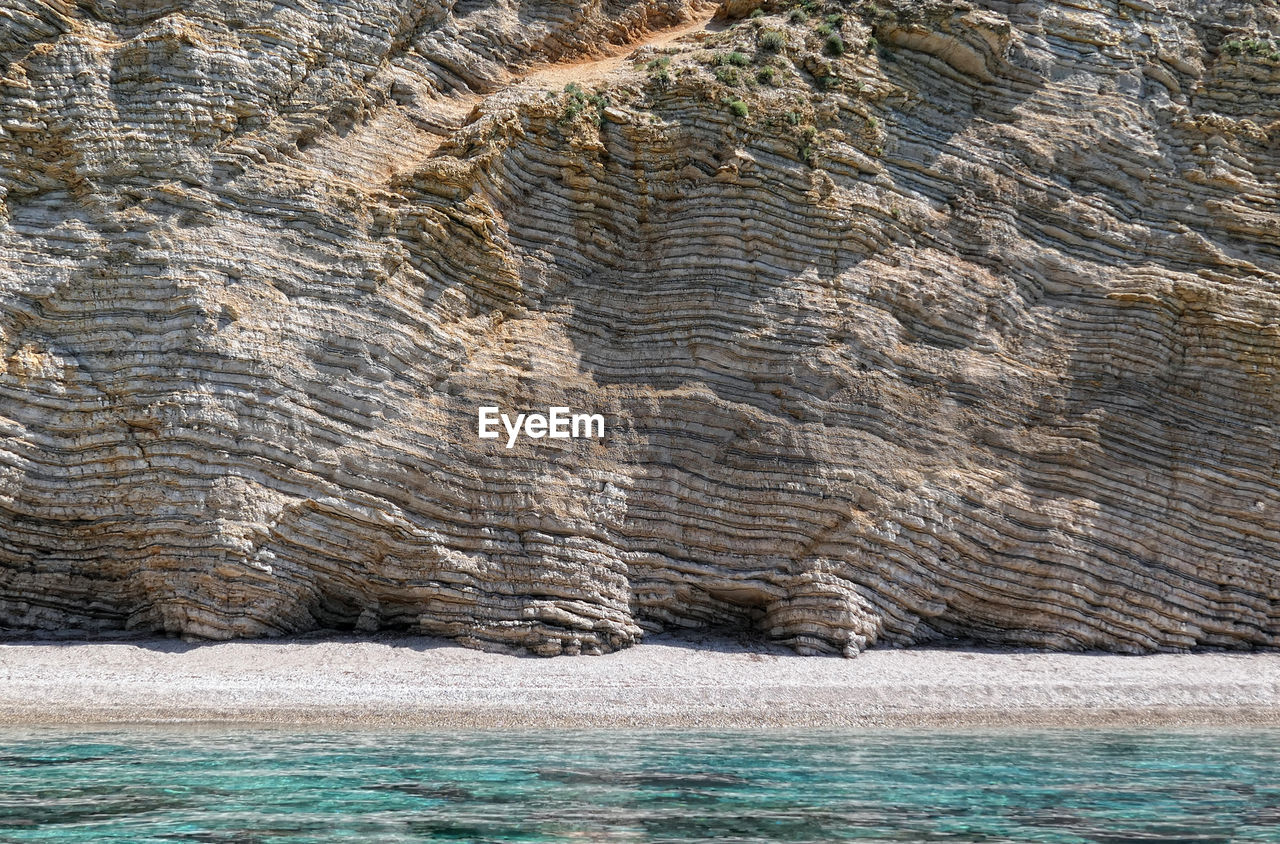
765, 76
578, 102
1260, 47
730, 60
798, 16
659, 72
772, 41
834, 45
727, 75
756, 13
807, 144
739, 109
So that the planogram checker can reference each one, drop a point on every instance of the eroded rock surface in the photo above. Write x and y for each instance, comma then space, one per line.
910, 321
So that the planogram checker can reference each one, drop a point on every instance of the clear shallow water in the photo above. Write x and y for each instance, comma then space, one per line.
270, 786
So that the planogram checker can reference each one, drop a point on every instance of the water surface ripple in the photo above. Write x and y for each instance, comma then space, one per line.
222, 785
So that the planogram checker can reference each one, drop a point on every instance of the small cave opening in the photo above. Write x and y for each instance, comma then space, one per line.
358, 614
734, 613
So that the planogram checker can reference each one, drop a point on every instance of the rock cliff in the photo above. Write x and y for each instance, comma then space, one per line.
909, 320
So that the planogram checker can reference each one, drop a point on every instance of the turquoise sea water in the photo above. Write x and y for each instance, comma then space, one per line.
991, 786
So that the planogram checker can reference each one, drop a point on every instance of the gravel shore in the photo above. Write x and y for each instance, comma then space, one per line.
701, 682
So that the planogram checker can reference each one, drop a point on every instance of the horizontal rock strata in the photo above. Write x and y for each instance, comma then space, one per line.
910, 320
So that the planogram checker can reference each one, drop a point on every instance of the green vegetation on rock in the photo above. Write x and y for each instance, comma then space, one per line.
580, 102
773, 41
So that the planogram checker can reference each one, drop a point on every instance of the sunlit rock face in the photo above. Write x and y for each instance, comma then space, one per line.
962, 324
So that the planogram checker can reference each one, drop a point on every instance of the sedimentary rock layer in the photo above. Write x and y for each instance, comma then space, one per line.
910, 321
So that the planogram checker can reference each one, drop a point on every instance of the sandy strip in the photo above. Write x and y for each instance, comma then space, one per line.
667, 682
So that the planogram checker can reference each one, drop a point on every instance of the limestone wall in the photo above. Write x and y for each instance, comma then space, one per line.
965, 327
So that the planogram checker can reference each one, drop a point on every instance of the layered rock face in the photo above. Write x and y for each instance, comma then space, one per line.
909, 321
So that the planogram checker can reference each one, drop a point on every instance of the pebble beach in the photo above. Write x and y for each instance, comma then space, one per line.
688, 683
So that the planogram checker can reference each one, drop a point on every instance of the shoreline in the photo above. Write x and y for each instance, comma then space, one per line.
692, 682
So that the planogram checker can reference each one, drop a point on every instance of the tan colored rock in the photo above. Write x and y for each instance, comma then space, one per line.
968, 331
734, 9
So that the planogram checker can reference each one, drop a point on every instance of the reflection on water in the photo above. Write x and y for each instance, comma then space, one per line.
208, 785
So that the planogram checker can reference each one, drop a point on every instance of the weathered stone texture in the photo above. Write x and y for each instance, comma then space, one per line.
970, 331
